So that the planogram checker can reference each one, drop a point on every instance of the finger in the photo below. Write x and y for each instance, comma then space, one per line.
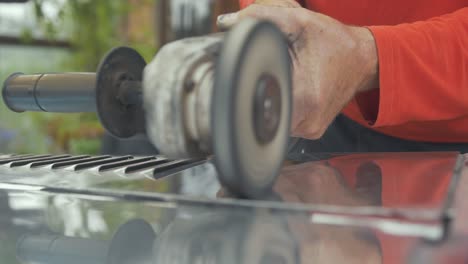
282, 3
226, 21
277, 14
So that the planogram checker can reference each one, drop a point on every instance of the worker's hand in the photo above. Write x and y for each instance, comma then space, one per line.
332, 62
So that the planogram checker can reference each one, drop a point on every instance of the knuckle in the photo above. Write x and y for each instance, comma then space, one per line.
250, 12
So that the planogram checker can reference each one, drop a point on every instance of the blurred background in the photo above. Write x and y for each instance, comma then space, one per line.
73, 35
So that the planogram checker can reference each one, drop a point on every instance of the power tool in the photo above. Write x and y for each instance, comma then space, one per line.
225, 95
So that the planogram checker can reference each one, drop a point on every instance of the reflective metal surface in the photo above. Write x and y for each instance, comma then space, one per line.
355, 208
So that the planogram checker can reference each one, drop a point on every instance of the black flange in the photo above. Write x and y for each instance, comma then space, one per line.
121, 66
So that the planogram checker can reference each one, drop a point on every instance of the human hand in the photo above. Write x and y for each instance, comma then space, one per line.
332, 62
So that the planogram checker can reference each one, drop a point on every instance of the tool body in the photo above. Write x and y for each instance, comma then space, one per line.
227, 95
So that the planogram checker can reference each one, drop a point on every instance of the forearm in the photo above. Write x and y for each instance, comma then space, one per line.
367, 58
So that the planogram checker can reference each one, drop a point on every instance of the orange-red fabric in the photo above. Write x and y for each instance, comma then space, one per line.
423, 95
423, 66
409, 180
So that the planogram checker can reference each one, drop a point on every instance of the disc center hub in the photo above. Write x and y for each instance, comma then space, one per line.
267, 108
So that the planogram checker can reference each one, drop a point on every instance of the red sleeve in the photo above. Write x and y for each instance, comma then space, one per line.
245, 3
423, 68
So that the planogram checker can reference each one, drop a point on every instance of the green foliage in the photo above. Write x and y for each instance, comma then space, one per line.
84, 146
26, 35
93, 27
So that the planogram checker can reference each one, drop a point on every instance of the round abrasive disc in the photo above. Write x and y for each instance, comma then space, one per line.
251, 111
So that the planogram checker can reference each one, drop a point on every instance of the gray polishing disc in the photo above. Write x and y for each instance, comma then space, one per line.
251, 111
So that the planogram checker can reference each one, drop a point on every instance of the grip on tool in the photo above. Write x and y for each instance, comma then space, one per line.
113, 92
54, 92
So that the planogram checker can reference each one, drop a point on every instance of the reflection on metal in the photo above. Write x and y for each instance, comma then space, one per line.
380, 207
130, 244
227, 237
13, 158
22, 187
430, 231
206, 238
455, 250
157, 166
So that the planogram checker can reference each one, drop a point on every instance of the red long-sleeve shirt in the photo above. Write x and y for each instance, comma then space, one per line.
423, 95
409, 180
423, 66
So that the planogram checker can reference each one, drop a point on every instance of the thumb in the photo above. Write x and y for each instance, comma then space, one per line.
284, 17
226, 21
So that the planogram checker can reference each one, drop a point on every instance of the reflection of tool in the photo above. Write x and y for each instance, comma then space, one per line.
130, 244
240, 237
226, 94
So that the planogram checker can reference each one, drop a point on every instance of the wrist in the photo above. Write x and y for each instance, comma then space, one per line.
367, 58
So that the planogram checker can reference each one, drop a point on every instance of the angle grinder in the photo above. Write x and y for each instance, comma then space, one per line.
226, 95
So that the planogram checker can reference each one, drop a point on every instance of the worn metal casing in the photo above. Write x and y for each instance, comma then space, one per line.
177, 88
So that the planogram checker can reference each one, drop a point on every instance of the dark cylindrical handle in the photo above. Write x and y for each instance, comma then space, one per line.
52, 249
51, 92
